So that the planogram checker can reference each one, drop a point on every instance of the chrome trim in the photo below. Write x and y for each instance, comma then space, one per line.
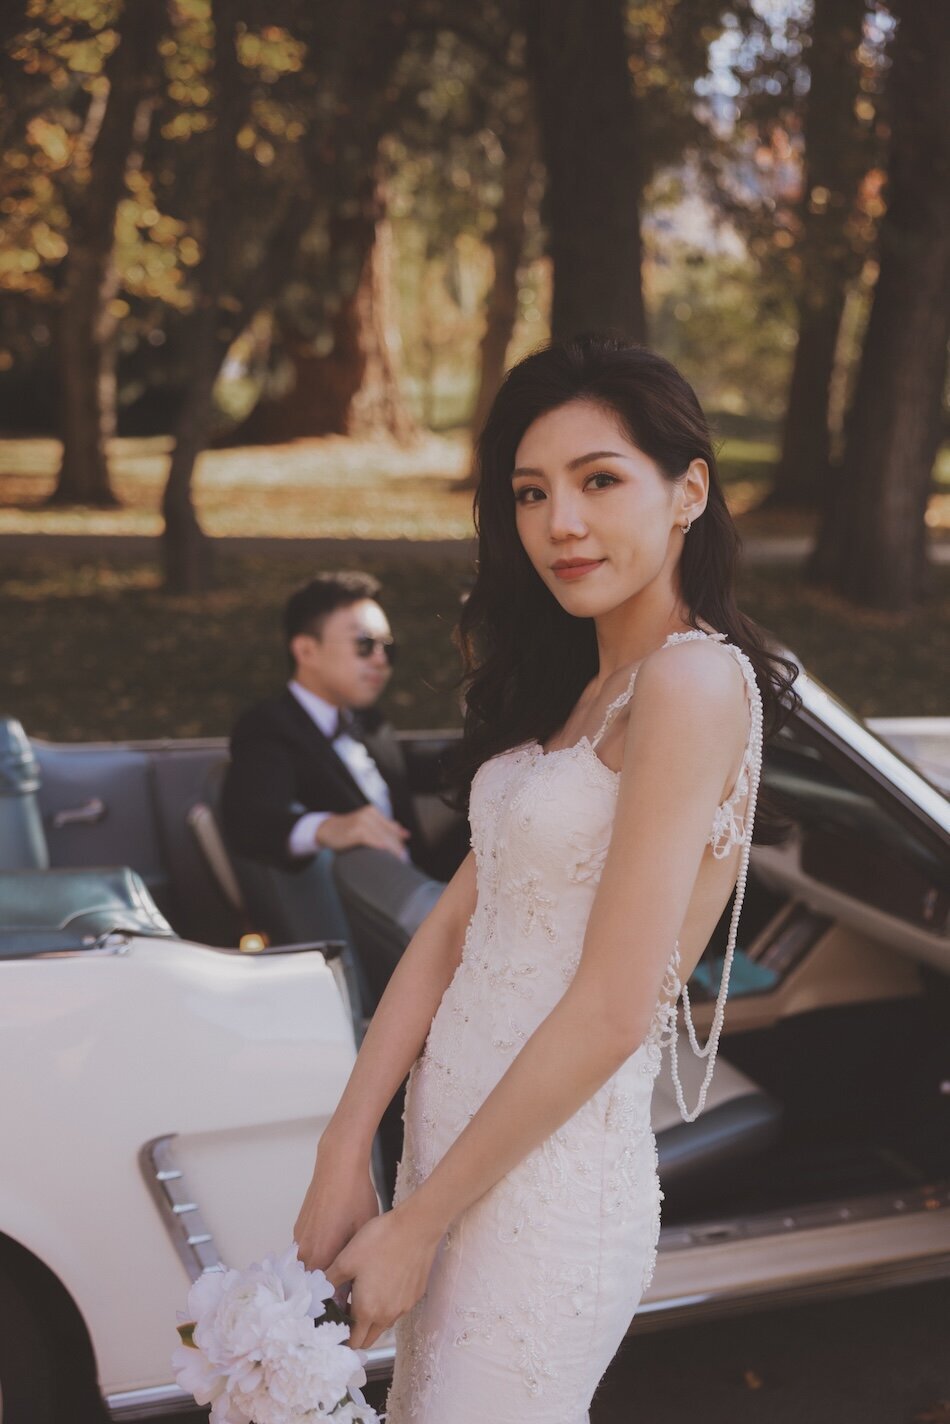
177, 1207
933, 1196
881, 1276
88, 814
152, 1403
379, 1362
109, 945
159, 1400
328, 948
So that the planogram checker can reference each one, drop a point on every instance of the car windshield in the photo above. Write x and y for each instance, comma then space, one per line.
830, 709
856, 835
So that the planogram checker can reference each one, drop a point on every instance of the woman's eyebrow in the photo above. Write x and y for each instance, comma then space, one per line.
573, 464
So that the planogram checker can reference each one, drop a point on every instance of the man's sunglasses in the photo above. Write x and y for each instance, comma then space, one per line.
366, 646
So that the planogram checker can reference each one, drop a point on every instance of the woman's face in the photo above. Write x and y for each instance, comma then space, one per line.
597, 518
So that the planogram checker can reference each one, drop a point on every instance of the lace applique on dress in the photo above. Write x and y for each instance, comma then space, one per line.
523, 1315
589, 860
729, 827
535, 907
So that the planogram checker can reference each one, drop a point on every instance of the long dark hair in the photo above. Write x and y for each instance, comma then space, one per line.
526, 661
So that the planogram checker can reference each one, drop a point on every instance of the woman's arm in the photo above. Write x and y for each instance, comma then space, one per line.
399, 1027
686, 729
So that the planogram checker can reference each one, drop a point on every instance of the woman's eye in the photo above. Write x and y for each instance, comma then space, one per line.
531, 494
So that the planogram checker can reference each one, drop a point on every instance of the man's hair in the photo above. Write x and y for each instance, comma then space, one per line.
306, 610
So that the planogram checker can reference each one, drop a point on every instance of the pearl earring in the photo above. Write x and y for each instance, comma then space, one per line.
687, 524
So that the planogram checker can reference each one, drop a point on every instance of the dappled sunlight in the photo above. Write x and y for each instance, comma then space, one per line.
333, 487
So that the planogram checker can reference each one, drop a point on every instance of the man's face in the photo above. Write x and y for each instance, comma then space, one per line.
330, 664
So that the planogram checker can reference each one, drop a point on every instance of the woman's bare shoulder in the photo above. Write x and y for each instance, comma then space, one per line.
698, 668
690, 710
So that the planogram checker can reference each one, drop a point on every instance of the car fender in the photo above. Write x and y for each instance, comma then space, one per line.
239, 1060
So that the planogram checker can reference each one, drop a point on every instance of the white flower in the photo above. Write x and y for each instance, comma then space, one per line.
235, 1310
225, 1411
356, 1410
258, 1356
305, 1373
195, 1376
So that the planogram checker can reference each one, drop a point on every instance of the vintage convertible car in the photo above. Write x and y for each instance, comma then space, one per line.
164, 1089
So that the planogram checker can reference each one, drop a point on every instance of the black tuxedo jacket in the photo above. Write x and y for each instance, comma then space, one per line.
283, 766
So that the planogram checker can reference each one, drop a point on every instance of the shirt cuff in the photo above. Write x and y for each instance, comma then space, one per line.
303, 838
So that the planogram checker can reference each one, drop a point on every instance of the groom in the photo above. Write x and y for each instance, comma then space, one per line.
317, 767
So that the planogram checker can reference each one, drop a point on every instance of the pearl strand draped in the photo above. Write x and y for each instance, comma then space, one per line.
711, 1047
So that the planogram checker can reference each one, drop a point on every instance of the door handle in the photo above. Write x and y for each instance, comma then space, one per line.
88, 814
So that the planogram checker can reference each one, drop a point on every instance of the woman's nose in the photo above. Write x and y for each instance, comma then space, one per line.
565, 519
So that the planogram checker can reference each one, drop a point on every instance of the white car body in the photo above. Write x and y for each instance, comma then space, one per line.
158, 1054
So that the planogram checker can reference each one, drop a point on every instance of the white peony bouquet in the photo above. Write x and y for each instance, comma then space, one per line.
266, 1346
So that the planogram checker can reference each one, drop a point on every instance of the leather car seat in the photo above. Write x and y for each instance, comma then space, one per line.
69, 909
739, 1120
22, 839
289, 907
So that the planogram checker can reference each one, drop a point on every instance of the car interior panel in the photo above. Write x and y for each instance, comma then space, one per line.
98, 808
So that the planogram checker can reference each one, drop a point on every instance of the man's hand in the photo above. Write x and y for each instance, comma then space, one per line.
365, 827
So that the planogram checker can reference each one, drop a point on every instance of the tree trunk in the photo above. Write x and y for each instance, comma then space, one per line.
354, 389
577, 60
803, 468
187, 550
828, 262
85, 351
221, 315
86, 326
506, 244
872, 544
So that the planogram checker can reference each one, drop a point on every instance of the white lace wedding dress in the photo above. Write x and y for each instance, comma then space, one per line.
533, 1287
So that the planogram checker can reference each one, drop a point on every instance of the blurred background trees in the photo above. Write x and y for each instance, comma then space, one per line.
221, 228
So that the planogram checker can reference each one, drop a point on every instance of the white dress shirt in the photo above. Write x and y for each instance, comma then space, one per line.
356, 758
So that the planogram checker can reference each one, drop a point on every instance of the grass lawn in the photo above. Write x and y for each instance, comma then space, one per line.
336, 488
94, 650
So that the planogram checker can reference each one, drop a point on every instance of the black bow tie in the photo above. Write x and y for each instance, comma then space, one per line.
344, 724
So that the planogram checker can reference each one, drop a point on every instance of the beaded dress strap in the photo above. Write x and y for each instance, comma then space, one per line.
627, 693
754, 755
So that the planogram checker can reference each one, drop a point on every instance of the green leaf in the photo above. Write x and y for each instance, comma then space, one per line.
187, 1333
335, 1313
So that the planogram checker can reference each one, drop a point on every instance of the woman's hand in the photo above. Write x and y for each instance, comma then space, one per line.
388, 1262
340, 1200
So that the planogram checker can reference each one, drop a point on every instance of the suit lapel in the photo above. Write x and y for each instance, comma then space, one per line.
369, 728
306, 732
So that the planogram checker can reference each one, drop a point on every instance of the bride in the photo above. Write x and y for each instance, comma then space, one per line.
617, 703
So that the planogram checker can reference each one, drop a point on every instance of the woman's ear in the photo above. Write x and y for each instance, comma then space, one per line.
694, 488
